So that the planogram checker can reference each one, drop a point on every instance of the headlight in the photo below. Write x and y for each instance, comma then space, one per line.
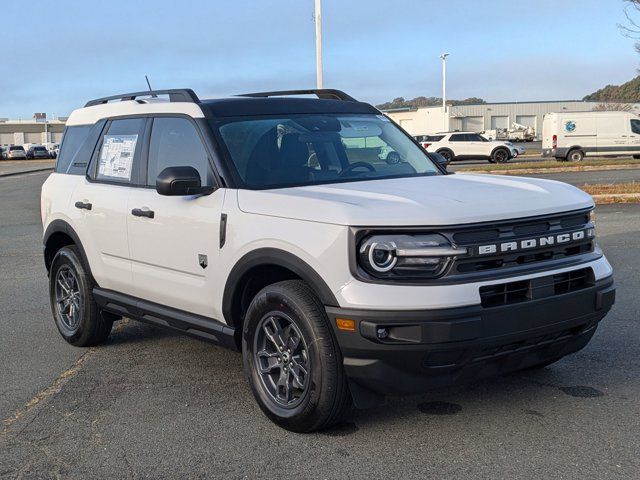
406, 256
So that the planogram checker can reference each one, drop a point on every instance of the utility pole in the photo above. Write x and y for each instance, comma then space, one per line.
318, 20
444, 89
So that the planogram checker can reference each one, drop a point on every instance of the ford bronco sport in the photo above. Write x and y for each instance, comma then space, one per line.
319, 239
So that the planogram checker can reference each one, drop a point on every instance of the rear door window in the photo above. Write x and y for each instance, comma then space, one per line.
457, 137
635, 126
118, 159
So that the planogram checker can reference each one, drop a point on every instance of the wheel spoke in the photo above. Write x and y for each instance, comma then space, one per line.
273, 331
283, 387
292, 339
268, 361
63, 285
299, 374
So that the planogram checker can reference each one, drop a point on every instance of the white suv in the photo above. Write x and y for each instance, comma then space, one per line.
320, 240
468, 145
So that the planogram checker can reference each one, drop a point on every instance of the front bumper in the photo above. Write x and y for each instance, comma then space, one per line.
555, 152
435, 348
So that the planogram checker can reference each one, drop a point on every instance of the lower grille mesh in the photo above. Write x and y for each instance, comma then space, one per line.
536, 288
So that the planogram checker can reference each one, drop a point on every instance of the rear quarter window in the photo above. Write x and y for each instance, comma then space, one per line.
72, 140
458, 137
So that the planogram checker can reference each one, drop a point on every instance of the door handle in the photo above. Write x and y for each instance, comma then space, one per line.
138, 212
83, 205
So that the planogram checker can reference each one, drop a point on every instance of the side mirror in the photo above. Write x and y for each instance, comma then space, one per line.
177, 181
440, 160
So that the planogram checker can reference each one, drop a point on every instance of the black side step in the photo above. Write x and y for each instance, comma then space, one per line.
142, 310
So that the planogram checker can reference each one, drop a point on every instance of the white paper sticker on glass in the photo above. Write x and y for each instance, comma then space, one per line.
116, 156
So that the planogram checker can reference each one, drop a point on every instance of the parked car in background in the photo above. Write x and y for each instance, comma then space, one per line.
54, 150
38, 152
2, 153
16, 152
469, 145
574, 135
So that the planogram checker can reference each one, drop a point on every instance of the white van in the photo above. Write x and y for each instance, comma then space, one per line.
572, 135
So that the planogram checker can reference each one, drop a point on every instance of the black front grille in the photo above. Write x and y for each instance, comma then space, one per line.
516, 231
536, 288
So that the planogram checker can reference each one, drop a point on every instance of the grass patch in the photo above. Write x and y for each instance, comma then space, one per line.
546, 164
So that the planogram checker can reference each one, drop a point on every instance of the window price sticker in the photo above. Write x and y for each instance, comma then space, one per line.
116, 156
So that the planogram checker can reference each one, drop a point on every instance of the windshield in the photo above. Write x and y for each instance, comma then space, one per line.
272, 152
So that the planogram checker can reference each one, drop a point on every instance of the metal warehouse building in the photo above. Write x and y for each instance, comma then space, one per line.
22, 132
485, 116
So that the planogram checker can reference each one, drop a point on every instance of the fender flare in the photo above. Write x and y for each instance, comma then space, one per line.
60, 226
276, 257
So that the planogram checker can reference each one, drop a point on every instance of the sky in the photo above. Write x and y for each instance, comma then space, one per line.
59, 54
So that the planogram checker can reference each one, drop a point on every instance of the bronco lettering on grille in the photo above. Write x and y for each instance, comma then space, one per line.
528, 243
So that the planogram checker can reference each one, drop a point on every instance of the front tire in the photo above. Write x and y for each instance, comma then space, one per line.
75, 312
500, 155
292, 360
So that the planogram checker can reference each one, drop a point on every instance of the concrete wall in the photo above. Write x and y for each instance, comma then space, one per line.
421, 121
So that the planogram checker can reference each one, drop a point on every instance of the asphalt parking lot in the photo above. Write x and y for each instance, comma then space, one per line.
150, 403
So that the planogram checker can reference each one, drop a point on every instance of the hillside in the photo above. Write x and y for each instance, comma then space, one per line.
400, 102
627, 92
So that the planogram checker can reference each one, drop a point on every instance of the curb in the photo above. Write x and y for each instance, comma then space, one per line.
616, 196
24, 172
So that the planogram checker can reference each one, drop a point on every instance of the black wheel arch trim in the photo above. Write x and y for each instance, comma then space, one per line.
279, 258
60, 226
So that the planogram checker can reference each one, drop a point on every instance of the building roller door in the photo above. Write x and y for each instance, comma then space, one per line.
473, 124
499, 122
527, 121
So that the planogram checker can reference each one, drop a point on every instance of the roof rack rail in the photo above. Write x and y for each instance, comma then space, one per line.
175, 95
324, 93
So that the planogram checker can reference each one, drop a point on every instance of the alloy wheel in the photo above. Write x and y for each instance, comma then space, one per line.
281, 359
68, 298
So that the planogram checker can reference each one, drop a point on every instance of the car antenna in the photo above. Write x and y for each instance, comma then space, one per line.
153, 95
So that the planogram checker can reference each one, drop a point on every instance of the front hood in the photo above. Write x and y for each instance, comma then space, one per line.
438, 200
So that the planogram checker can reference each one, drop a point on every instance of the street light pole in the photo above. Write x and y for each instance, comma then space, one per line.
444, 88
318, 20
444, 79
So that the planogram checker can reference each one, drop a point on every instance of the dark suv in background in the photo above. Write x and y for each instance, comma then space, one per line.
37, 152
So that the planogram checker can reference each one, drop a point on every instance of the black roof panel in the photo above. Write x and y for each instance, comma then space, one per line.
249, 106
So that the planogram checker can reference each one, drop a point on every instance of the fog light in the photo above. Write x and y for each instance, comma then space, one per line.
382, 333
